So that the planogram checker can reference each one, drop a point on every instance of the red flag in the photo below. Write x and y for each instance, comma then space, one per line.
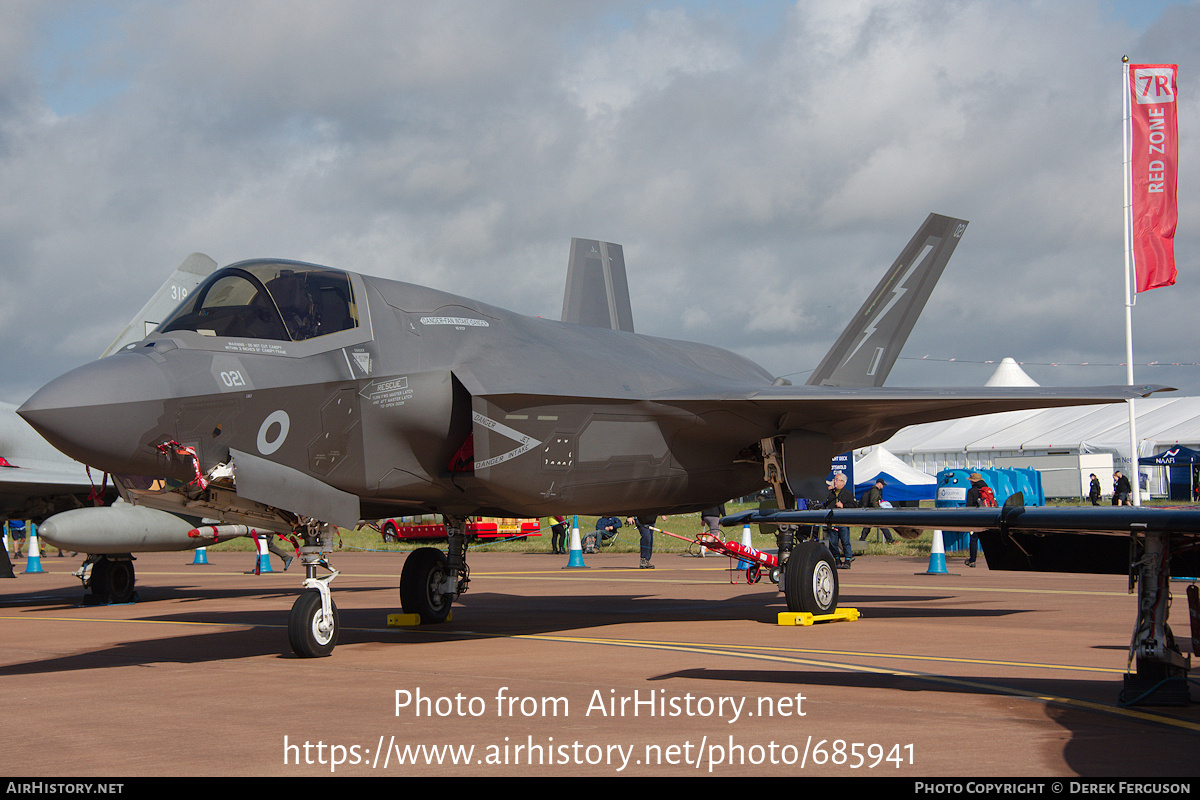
1154, 166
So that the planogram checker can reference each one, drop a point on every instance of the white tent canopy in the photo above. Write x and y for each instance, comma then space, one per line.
1162, 421
880, 463
1009, 373
975, 442
879, 460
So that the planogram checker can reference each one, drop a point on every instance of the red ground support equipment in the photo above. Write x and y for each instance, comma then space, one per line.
757, 559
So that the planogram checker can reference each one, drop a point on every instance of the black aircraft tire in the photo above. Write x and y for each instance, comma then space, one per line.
112, 581
98, 580
810, 580
304, 634
424, 571
120, 581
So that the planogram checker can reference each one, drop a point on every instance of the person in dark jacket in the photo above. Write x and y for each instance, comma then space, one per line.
1094, 490
1122, 490
606, 528
839, 537
558, 534
872, 499
975, 500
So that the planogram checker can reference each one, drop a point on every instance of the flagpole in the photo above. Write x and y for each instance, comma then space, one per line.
1130, 295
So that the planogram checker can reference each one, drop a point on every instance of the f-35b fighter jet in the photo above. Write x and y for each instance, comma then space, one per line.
296, 397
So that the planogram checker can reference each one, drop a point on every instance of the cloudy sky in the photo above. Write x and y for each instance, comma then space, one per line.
762, 164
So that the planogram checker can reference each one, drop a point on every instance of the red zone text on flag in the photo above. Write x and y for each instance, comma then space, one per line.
1154, 169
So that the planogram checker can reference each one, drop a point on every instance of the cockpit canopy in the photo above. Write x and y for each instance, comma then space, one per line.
281, 300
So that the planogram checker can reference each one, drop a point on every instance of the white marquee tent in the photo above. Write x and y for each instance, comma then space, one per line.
1162, 421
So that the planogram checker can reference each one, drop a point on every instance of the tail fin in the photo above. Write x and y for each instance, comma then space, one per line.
183, 280
597, 291
865, 352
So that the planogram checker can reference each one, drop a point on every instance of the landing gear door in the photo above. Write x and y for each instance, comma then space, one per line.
806, 459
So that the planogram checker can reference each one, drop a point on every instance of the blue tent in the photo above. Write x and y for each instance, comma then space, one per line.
1180, 464
1171, 457
902, 482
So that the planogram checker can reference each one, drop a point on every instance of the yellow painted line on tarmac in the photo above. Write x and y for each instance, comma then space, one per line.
736, 649
922, 676
31, 618
962, 588
649, 576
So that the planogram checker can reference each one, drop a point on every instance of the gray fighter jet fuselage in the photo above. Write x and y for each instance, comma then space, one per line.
545, 416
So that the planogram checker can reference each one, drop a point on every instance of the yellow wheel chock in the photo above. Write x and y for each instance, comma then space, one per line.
805, 618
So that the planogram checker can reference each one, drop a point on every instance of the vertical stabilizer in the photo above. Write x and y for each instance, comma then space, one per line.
865, 352
186, 277
597, 290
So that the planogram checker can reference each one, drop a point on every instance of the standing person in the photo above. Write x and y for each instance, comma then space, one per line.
274, 549
647, 543
1121, 489
1094, 490
712, 518
839, 537
979, 495
558, 535
16, 528
872, 499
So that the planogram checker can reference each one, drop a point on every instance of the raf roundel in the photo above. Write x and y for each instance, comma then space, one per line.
267, 446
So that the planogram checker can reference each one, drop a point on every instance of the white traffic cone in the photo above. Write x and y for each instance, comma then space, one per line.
937, 556
575, 560
33, 559
264, 558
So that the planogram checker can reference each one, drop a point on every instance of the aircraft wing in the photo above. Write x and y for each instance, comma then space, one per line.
860, 416
849, 417
1105, 521
1087, 539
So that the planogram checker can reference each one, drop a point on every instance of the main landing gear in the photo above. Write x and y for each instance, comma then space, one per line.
431, 580
422, 585
810, 581
806, 574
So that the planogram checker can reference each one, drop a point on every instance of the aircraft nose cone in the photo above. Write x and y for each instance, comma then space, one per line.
100, 412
